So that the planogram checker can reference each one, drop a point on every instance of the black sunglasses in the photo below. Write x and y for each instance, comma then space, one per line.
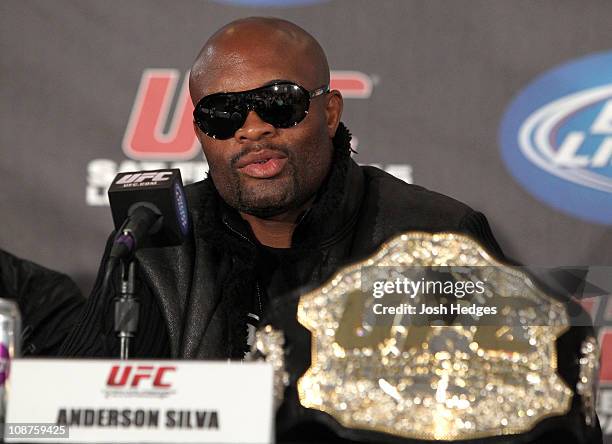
282, 104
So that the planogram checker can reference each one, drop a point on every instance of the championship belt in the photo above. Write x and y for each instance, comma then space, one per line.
431, 339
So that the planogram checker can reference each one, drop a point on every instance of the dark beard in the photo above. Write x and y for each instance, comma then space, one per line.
246, 202
291, 200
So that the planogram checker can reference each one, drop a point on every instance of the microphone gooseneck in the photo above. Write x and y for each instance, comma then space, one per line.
141, 223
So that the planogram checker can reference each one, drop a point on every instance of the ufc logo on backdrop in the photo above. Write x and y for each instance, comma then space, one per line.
146, 136
133, 376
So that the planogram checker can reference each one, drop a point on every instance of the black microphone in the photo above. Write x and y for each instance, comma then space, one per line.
149, 210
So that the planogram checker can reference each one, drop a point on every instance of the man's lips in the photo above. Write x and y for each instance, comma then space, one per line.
262, 164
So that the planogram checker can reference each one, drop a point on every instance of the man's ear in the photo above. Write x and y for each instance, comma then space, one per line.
333, 111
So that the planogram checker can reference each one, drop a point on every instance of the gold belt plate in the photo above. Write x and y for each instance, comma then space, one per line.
453, 382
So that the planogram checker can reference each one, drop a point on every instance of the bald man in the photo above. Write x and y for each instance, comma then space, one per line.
270, 175
283, 207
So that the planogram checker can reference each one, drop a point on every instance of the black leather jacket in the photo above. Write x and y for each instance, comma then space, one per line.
49, 302
186, 306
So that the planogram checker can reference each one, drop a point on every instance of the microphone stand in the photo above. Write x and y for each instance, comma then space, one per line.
127, 308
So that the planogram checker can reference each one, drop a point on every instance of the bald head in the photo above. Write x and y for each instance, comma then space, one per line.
247, 50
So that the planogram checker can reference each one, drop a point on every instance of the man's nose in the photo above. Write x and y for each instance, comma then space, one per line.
254, 128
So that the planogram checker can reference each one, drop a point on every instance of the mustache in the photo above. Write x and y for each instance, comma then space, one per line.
259, 147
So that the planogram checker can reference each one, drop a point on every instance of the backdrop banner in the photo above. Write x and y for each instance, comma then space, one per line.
506, 106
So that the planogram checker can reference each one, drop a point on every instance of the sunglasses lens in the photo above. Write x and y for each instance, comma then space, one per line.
220, 115
282, 105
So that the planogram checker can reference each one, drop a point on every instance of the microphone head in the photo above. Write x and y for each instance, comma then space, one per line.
159, 190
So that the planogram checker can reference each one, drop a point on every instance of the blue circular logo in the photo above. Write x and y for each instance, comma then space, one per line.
255, 3
556, 138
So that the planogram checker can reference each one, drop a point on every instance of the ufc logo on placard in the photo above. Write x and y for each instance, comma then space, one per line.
134, 376
151, 135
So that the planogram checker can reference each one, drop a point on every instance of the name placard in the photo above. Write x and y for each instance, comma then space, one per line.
139, 401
